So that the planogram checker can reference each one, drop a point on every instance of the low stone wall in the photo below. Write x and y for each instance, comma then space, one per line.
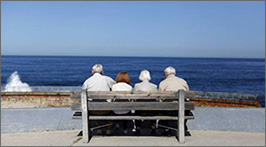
208, 102
42, 99
62, 99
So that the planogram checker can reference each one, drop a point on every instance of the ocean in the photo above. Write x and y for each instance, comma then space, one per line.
202, 74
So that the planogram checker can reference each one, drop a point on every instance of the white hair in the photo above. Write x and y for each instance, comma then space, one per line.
97, 68
170, 70
144, 75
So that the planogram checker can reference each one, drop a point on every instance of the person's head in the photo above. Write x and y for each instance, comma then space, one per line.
144, 75
169, 71
97, 68
123, 76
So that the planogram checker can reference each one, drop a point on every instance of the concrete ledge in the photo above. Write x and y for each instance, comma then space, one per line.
228, 119
38, 119
206, 118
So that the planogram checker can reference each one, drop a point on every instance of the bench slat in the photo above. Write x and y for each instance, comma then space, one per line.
138, 106
77, 106
132, 95
134, 98
133, 117
127, 97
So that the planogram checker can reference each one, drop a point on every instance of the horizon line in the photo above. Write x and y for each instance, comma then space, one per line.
136, 56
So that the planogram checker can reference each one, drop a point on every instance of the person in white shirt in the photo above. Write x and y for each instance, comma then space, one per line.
145, 85
122, 84
99, 82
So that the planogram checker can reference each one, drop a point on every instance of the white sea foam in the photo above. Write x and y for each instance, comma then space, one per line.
15, 84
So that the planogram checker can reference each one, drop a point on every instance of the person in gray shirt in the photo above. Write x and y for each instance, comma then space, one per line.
145, 85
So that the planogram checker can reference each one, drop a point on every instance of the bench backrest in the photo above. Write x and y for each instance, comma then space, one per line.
133, 100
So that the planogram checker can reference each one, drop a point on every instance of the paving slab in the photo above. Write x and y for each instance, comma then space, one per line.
70, 138
206, 118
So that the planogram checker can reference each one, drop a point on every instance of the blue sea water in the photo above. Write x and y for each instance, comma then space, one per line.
202, 74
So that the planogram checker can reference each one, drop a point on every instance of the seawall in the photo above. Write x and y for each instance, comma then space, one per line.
40, 99
62, 99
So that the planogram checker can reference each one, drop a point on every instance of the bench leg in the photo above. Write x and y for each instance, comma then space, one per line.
86, 133
180, 134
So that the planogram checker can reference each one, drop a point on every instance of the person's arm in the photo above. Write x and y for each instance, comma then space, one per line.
160, 89
85, 85
111, 89
187, 87
136, 87
155, 87
110, 82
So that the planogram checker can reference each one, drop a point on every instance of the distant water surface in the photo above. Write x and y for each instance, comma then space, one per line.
203, 74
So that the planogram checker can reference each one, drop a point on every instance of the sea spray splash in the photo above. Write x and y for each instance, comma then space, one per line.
15, 84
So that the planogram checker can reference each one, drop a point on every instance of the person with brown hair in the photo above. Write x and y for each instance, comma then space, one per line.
122, 84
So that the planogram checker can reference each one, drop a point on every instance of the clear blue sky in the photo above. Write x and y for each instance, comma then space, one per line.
132, 28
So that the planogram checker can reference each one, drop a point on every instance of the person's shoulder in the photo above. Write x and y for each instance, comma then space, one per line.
154, 85
115, 85
163, 81
137, 84
128, 85
107, 77
181, 79
88, 79
119, 86
87, 82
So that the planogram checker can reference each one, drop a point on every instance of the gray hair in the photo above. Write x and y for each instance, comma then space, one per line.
170, 70
144, 75
97, 68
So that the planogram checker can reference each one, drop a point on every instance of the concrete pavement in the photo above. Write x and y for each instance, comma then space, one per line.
69, 138
206, 118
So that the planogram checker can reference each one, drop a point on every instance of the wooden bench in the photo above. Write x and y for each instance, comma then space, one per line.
172, 101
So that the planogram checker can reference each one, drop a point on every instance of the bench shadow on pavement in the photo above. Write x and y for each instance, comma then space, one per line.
145, 130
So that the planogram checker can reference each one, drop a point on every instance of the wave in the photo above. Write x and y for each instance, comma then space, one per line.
14, 84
